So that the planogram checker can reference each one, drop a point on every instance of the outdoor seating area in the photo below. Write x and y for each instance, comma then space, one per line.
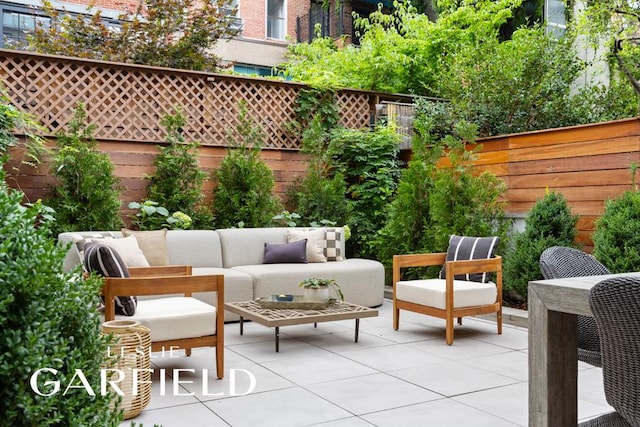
321, 376
192, 247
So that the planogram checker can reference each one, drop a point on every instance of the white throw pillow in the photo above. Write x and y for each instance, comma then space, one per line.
315, 239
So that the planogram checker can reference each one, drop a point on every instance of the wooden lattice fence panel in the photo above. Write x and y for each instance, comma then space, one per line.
126, 102
354, 109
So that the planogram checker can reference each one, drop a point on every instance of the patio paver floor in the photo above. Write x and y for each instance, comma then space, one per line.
408, 377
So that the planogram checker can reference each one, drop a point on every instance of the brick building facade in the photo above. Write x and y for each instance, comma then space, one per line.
267, 26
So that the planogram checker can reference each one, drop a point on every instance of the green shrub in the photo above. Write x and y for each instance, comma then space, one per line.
409, 212
616, 237
87, 196
321, 194
10, 119
177, 181
434, 202
317, 197
461, 201
548, 223
48, 320
243, 195
369, 163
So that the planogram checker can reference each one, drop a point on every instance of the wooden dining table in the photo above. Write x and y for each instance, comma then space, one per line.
553, 357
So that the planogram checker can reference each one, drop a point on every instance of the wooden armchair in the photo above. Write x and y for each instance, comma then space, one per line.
176, 321
447, 298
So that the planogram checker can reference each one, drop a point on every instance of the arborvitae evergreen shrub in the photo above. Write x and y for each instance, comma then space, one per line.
548, 223
177, 181
616, 237
433, 202
87, 196
243, 195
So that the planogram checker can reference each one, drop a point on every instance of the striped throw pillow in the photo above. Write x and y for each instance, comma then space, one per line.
105, 261
468, 248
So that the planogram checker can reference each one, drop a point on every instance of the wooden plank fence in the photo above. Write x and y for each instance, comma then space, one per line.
587, 164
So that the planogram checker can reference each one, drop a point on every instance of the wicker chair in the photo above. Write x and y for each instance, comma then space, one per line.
558, 262
615, 303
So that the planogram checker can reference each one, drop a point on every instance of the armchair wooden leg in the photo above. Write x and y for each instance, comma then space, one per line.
187, 351
220, 361
449, 331
459, 320
499, 321
396, 317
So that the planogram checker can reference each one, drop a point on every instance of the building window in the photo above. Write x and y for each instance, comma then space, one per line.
555, 17
253, 70
232, 13
276, 19
18, 24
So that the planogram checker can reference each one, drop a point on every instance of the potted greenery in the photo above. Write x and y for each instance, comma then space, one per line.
318, 289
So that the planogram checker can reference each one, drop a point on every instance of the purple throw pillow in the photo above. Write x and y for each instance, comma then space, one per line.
295, 252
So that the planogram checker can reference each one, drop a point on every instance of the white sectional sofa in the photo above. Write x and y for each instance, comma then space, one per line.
238, 254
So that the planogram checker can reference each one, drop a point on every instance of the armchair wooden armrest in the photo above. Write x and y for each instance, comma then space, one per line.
490, 265
416, 260
160, 285
452, 267
161, 270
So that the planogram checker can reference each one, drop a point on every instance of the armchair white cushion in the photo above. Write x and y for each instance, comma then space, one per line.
175, 318
433, 293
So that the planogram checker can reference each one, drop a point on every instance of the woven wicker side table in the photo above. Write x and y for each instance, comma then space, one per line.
131, 352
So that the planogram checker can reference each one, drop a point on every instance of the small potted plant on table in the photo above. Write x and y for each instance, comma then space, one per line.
318, 289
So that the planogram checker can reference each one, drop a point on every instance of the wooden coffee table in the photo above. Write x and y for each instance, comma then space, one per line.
276, 317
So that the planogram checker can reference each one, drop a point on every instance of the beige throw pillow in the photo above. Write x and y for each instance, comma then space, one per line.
152, 243
315, 247
128, 249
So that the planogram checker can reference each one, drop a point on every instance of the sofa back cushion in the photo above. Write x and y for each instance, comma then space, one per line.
198, 248
245, 246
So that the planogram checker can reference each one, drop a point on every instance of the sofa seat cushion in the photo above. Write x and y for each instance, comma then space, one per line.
175, 318
238, 286
431, 292
361, 280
